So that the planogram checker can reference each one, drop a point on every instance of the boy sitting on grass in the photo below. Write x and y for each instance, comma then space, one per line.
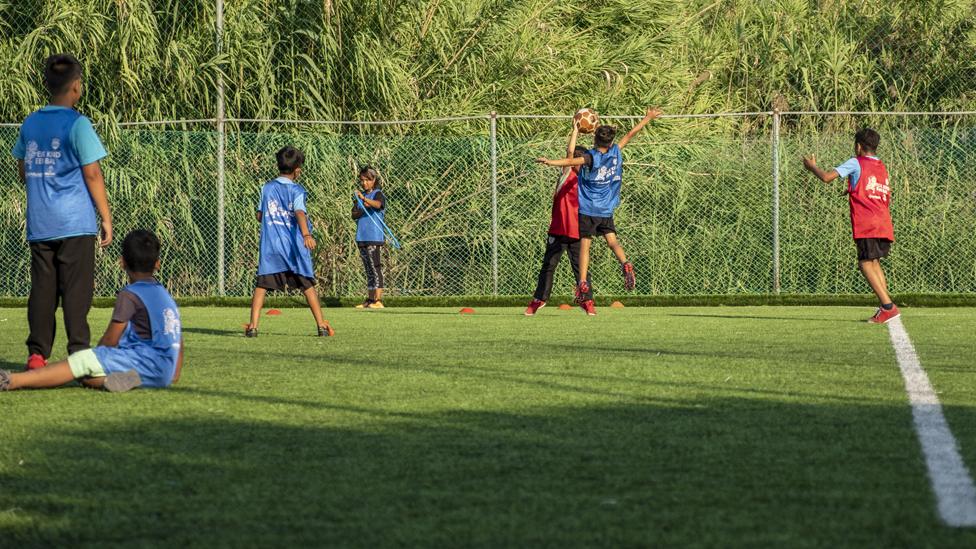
143, 345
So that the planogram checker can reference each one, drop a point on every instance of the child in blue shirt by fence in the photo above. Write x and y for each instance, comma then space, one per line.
58, 155
369, 211
143, 344
285, 258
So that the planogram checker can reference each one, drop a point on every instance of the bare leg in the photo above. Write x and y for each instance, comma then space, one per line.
614, 244
93, 382
52, 375
313, 303
378, 294
584, 258
256, 303
875, 276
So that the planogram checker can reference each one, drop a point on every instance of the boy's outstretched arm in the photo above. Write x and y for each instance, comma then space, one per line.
96, 188
571, 145
562, 162
810, 163
112, 334
652, 113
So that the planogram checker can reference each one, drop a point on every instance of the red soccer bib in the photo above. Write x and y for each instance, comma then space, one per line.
870, 200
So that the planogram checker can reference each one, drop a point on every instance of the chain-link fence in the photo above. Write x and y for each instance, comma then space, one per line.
716, 212
185, 93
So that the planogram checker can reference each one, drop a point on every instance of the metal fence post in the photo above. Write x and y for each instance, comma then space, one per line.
775, 152
494, 202
221, 145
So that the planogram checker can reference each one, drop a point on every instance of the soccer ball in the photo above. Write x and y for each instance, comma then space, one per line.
587, 120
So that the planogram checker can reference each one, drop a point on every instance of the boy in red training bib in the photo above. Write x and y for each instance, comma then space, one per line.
563, 233
869, 193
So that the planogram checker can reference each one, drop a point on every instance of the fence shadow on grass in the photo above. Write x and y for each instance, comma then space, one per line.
719, 472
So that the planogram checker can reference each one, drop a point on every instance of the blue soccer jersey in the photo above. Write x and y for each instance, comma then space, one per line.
154, 359
599, 183
54, 143
282, 244
369, 227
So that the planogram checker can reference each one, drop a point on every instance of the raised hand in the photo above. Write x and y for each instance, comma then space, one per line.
810, 162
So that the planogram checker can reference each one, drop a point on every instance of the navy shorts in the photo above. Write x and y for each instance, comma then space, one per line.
872, 248
590, 226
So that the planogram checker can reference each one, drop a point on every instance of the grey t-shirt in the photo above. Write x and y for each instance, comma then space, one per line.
129, 308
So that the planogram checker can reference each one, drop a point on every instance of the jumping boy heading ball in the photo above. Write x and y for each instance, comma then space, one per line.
869, 193
600, 180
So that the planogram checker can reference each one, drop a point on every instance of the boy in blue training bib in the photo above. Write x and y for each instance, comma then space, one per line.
285, 252
58, 156
143, 345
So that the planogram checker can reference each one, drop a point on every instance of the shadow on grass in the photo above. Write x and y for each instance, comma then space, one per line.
777, 318
721, 472
12, 366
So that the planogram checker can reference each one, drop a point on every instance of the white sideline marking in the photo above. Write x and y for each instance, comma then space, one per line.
951, 481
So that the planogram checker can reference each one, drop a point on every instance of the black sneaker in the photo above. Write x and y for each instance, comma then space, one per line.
4, 380
250, 332
122, 381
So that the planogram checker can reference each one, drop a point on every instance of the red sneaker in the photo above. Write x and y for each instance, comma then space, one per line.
588, 307
581, 292
883, 317
36, 361
630, 279
534, 306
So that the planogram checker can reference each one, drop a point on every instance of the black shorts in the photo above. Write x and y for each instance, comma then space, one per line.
595, 226
280, 282
872, 248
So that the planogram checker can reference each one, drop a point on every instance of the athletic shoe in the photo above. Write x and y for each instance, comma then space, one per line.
630, 280
326, 331
250, 332
376, 305
588, 307
4, 380
364, 304
36, 361
534, 306
121, 382
581, 291
883, 317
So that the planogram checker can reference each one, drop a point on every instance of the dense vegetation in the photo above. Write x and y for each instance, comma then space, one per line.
386, 59
696, 215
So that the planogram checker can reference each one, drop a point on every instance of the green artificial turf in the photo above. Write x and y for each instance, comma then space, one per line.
744, 426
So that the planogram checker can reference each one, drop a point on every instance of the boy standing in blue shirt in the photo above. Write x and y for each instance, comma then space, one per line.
285, 258
600, 179
57, 154
143, 344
